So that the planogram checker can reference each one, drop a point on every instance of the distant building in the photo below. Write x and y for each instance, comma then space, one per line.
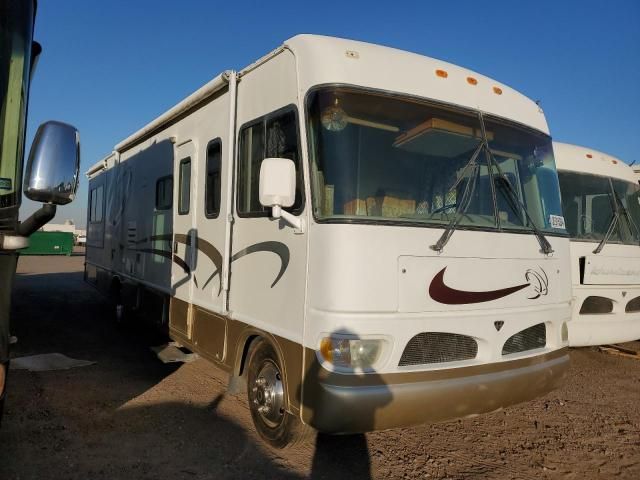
67, 226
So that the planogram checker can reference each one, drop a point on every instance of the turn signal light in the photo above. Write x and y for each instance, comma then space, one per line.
351, 352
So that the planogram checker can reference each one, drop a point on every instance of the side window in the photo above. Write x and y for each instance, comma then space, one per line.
184, 195
251, 155
164, 193
213, 185
96, 205
275, 135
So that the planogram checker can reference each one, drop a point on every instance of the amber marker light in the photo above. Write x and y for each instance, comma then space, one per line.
472, 81
497, 90
442, 73
326, 349
589, 155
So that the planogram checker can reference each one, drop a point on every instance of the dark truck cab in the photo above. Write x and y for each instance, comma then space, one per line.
51, 176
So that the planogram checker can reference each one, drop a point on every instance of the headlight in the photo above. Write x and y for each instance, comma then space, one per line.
351, 353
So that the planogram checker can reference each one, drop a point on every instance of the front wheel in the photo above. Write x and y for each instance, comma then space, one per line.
267, 399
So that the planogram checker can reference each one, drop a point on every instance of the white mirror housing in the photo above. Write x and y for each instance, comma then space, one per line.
277, 182
277, 189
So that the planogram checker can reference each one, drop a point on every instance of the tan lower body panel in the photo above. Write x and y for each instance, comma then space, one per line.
344, 403
179, 317
2, 378
340, 403
224, 342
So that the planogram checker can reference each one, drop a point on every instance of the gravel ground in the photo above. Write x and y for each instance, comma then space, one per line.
131, 417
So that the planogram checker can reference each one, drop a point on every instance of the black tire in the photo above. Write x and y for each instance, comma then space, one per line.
277, 427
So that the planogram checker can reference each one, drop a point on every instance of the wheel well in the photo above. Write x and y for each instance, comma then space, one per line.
251, 339
115, 290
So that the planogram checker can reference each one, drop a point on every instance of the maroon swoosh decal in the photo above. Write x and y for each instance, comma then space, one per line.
443, 294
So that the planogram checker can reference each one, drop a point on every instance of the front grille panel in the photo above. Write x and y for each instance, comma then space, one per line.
438, 347
633, 305
527, 339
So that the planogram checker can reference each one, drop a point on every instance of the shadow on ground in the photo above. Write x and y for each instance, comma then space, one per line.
130, 416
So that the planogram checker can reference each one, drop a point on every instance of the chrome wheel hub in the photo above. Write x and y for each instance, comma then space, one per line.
267, 393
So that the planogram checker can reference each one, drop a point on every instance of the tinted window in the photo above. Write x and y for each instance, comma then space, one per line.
185, 186
96, 204
164, 193
275, 135
212, 187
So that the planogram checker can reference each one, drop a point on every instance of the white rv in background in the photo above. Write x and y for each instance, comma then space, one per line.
600, 200
364, 237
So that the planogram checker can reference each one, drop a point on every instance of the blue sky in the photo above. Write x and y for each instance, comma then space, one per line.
110, 67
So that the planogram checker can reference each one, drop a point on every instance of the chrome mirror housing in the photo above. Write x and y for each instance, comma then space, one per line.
51, 175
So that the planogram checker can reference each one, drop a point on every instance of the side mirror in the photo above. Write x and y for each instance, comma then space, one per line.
277, 189
51, 175
277, 182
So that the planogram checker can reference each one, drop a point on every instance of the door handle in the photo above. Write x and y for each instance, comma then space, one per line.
175, 246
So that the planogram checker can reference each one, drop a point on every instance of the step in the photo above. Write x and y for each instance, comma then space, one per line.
171, 353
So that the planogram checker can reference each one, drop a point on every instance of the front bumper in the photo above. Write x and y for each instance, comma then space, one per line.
338, 403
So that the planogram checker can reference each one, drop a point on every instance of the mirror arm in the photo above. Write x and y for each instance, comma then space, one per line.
296, 222
37, 219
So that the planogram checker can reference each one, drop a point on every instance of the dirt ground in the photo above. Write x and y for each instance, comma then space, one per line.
131, 417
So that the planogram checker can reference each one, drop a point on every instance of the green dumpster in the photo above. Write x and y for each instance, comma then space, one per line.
49, 243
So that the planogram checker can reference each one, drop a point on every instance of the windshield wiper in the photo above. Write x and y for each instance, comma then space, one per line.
545, 246
465, 200
625, 211
605, 239
620, 209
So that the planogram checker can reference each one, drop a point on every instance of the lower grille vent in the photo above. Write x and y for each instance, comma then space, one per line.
527, 339
633, 305
438, 347
595, 304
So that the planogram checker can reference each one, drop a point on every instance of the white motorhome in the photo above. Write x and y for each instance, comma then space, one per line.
600, 196
369, 238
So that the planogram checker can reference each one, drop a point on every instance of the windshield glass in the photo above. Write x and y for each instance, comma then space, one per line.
16, 25
589, 206
377, 157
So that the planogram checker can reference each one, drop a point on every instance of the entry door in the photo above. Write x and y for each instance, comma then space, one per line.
184, 234
269, 256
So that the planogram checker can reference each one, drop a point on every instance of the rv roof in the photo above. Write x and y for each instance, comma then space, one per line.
327, 60
586, 160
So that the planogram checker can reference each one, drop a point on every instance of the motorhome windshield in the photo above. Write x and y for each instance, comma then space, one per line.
16, 24
592, 202
382, 158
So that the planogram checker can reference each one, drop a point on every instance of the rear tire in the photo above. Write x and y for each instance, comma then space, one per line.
267, 396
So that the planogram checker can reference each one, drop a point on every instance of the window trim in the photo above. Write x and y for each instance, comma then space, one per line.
299, 171
185, 160
610, 179
208, 215
92, 202
170, 206
428, 101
